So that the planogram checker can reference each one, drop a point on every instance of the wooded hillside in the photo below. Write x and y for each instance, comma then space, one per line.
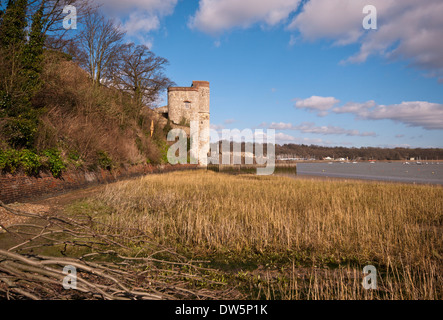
75, 99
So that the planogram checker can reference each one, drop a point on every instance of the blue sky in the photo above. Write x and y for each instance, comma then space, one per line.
307, 69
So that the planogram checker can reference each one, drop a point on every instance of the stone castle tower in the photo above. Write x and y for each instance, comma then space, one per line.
187, 104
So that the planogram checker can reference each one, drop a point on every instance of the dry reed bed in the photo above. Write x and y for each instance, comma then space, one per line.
346, 224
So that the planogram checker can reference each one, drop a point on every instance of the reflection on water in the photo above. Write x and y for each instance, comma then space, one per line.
413, 173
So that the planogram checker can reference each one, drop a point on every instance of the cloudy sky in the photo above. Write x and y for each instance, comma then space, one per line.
307, 69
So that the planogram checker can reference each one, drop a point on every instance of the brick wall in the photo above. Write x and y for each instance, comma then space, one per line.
19, 187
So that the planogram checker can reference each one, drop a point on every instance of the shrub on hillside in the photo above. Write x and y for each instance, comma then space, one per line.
30, 162
12, 159
54, 162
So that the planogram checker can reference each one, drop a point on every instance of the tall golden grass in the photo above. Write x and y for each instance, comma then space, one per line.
310, 238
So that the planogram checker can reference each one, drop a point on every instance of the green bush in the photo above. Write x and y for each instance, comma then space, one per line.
30, 162
163, 148
75, 159
74, 155
11, 160
21, 132
5, 100
167, 128
104, 160
54, 162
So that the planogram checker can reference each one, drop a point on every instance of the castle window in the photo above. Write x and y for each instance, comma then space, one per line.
187, 105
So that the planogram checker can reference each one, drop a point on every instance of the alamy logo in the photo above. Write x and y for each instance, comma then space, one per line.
370, 21
70, 281
205, 147
370, 278
70, 21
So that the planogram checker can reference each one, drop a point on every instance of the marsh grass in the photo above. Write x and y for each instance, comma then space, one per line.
282, 238
279, 168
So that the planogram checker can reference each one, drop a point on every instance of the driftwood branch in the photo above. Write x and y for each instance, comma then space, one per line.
104, 270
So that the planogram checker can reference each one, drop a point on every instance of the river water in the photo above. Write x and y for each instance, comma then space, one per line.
431, 173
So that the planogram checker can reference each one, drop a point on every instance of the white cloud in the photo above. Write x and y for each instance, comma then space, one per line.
412, 113
283, 137
407, 29
214, 16
309, 127
423, 114
280, 137
316, 141
326, 130
263, 125
141, 22
216, 127
336, 19
353, 107
138, 17
321, 105
229, 121
279, 126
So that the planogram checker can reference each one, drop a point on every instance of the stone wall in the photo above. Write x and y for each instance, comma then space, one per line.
186, 104
176, 103
20, 187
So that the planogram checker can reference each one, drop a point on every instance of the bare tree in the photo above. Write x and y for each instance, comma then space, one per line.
53, 14
141, 73
101, 42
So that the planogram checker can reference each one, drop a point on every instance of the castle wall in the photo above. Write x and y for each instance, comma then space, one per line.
204, 96
188, 104
204, 139
176, 102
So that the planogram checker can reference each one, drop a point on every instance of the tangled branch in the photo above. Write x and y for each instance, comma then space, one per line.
104, 271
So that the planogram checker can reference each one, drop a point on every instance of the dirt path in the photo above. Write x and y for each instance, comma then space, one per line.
44, 206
